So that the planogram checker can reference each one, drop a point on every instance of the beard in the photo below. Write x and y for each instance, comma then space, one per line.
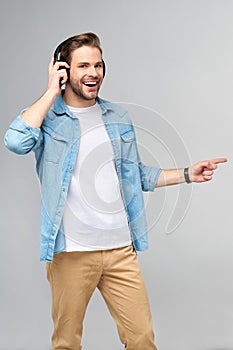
82, 92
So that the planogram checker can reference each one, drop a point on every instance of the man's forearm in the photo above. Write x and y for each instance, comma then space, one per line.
169, 177
35, 114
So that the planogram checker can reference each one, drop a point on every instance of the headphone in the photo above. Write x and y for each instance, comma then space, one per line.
58, 58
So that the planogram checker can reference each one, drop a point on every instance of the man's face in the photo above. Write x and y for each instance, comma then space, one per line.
86, 74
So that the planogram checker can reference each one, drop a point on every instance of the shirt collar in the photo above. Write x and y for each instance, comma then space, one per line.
59, 107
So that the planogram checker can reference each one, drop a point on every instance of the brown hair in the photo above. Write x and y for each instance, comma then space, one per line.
66, 48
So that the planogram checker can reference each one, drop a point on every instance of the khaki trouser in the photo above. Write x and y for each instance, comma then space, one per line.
116, 273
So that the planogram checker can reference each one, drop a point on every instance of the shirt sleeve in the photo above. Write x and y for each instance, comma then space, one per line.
21, 138
149, 176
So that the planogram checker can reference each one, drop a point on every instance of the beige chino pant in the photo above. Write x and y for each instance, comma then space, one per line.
73, 277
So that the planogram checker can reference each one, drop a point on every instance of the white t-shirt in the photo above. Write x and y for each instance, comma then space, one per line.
94, 216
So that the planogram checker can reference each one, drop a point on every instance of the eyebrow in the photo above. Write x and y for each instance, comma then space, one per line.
89, 62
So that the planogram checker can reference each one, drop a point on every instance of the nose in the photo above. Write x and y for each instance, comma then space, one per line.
92, 71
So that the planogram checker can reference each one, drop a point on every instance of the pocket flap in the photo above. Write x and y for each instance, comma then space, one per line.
128, 136
53, 134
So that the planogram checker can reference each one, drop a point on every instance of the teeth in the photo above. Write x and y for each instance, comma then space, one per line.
90, 83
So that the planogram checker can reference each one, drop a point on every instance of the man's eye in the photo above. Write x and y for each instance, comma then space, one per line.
99, 65
83, 66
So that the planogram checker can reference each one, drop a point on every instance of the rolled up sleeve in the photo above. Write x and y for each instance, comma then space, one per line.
149, 177
21, 138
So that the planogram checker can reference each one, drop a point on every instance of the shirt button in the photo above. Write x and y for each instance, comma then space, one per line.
63, 189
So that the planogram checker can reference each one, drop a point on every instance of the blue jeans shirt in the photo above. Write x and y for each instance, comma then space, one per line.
56, 145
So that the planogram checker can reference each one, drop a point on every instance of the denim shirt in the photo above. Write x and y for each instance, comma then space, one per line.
56, 145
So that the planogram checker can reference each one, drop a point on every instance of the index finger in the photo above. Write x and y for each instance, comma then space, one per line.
61, 64
219, 160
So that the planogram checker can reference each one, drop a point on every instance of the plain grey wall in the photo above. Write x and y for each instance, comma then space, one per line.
170, 63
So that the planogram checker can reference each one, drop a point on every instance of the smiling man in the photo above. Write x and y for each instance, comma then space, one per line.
86, 75
92, 182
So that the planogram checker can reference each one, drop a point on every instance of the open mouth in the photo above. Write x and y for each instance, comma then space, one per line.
90, 83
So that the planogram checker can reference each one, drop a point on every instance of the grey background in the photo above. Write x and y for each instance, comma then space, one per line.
170, 62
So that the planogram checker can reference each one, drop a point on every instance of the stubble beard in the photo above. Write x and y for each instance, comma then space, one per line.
78, 91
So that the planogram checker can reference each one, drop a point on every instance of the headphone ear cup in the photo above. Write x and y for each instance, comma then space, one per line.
68, 74
57, 53
58, 58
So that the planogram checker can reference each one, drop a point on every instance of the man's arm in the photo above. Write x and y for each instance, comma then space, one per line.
24, 132
35, 114
199, 172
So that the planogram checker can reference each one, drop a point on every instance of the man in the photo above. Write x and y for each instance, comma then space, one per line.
92, 210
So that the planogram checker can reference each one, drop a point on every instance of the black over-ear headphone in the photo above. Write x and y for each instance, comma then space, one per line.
58, 57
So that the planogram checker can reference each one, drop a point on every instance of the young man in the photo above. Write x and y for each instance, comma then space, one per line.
92, 210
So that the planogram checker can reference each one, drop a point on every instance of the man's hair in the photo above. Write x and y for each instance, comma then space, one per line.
69, 45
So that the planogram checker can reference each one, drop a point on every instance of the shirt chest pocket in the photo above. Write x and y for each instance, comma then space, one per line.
128, 147
54, 146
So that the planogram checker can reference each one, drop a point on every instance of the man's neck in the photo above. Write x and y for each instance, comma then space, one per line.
76, 101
